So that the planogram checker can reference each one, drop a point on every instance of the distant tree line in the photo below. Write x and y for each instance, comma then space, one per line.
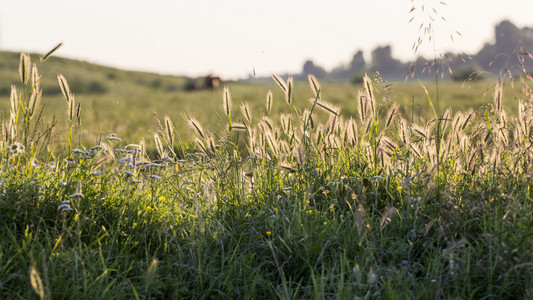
507, 55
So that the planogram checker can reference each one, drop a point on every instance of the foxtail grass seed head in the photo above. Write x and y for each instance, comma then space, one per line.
498, 91
308, 119
49, 53
393, 111
63, 85
195, 125
24, 67
369, 89
35, 78
14, 99
328, 107
361, 107
64, 207
227, 102
269, 99
71, 108
415, 149
267, 123
351, 131
239, 127
158, 145
34, 100
281, 83
386, 218
315, 86
286, 123
290, 91
246, 112
78, 114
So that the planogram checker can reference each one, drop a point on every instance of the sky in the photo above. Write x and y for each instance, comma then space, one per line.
235, 38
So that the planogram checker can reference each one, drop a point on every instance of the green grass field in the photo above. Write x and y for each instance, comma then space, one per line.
364, 192
129, 103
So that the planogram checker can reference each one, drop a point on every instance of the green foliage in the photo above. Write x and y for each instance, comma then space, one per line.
321, 202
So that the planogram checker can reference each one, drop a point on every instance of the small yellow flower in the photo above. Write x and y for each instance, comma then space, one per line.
149, 208
134, 225
325, 223
269, 233
162, 198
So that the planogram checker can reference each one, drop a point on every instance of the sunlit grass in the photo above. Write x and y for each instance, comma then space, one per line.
281, 197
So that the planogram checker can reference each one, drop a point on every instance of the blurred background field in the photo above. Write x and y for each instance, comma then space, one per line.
130, 103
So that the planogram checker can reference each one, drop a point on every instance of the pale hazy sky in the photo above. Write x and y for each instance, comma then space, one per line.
234, 37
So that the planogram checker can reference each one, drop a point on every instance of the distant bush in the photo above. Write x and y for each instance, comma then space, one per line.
5, 90
468, 73
192, 85
111, 75
156, 83
357, 78
90, 87
97, 87
172, 87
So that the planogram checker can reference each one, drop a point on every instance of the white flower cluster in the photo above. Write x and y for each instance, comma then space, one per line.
16, 148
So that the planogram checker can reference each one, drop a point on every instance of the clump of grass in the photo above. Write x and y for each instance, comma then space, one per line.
313, 204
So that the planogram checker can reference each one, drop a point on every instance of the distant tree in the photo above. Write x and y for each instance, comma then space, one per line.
389, 67
310, 68
356, 68
468, 72
503, 53
507, 35
358, 63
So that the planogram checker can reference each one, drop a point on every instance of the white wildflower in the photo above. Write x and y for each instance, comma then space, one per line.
113, 137
126, 159
129, 173
35, 163
50, 165
153, 165
79, 151
16, 148
98, 148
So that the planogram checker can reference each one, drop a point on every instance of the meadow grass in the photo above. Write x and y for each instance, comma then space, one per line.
302, 197
132, 102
